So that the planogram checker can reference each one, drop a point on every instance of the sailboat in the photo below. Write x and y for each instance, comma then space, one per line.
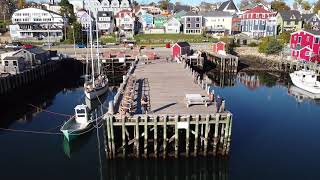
97, 85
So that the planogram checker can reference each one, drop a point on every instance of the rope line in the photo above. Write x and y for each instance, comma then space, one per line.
60, 114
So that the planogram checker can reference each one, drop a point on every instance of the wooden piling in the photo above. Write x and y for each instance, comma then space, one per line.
187, 135
176, 136
146, 136
206, 135
155, 138
165, 136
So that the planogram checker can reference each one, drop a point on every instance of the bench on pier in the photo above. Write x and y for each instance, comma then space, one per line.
197, 99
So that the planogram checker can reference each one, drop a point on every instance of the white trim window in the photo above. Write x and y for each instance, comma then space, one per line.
197, 25
188, 25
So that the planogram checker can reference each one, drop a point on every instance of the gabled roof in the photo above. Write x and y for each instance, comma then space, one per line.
258, 9
314, 32
183, 44
290, 15
228, 5
105, 14
191, 14
306, 17
216, 14
299, 47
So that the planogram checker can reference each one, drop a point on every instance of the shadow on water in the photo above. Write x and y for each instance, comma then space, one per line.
17, 104
192, 168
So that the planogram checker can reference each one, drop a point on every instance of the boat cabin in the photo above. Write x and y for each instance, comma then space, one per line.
306, 76
81, 113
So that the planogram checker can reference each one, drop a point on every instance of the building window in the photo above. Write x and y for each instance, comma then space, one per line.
197, 19
299, 39
6, 63
288, 22
188, 19
296, 22
317, 41
308, 53
14, 63
263, 15
295, 38
197, 25
188, 25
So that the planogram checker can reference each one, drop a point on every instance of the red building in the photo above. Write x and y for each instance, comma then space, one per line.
304, 44
219, 46
180, 48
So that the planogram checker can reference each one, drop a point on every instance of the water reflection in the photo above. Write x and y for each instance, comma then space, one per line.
191, 168
303, 96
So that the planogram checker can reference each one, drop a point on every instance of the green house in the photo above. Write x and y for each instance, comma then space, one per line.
159, 21
288, 21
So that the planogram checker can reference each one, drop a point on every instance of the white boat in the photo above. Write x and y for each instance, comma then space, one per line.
78, 124
306, 80
97, 85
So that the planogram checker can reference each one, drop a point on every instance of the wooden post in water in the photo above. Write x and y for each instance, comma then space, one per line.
109, 136
226, 134
206, 135
196, 135
137, 135
216, 131
146, 135
123, 135
112, 137
155, 135
176, 136
165, 119
187, 135
222, 132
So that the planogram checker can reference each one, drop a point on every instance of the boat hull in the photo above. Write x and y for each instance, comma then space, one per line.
71, 129
305, 86
96, 93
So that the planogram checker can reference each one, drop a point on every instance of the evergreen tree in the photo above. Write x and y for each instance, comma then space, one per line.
75, 31
21, 4
67, 10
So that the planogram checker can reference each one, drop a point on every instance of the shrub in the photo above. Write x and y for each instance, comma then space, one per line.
253, 44
270, 45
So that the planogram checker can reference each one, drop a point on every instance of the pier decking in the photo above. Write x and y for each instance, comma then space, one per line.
169, 128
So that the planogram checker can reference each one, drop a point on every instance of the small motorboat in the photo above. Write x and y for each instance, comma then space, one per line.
78, 124
302, 95
96, 87
306, 80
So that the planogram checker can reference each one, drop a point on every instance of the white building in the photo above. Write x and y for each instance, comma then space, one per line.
107, 5
172, 26
105, 21
51, 7
217, 22
36, 24
84, 19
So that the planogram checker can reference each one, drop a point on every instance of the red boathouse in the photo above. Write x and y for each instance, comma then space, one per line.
180, 48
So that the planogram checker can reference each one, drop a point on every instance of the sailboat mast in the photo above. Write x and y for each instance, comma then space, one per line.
91, 50
87, 56
98, 55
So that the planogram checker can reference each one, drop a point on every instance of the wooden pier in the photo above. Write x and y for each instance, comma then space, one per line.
225, 63
170, 127
12, 82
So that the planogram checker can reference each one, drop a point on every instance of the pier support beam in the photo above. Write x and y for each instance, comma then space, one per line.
216, 131
206, 135
137, 135
187, 135
123, 136
112, 137
165, 119
196, 135
176, 136
109, 137
155, 135
146, 135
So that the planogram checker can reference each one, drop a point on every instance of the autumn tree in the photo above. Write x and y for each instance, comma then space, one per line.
164, 4
21, 4
317, 6
279, 5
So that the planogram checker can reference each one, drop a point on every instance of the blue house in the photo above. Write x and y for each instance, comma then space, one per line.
146, 21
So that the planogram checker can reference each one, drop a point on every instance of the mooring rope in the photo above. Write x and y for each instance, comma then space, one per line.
51, 112
30, 131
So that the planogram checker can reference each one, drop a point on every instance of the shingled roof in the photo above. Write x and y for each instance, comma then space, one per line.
228, 5
314, 32
287, 15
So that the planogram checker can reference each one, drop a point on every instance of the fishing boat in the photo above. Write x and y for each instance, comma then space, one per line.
97, 84
302, 95
306, 80
78, 124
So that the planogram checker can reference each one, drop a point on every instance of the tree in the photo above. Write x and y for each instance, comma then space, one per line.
284, 37
164, 4
279, 5
67, 10
306, 5
21, 4
317, 6
270, 45
75, 30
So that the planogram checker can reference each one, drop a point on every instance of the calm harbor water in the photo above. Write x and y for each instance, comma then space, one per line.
275, 136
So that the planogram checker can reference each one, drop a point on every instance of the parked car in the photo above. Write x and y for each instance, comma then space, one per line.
14, 45
81, 45
27, 46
